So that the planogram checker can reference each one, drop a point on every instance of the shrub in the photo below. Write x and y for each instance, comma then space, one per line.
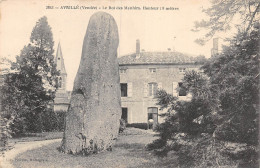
122, 125
138, 125
60, 120
157, 144
17, 126
54, 121
3, 135
46, 121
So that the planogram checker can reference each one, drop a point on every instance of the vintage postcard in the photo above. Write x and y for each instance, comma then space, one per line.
129, 83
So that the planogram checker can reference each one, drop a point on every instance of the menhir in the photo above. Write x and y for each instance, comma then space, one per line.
92, 120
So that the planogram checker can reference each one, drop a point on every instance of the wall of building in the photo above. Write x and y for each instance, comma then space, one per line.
137, 78
61, 107
62, 100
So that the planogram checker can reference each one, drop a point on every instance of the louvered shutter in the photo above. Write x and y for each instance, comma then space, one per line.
130, 89
174, 88
159, 85
145, 90
150, 89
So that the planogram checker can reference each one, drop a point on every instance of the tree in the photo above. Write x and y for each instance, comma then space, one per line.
235, 75
29, 92
224, 108
187, 123
243, 14
225, 104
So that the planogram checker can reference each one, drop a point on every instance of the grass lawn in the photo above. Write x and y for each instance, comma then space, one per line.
36, 137
32, 137
129, 151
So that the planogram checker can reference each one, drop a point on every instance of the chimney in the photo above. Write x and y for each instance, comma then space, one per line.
137, 48
214, 50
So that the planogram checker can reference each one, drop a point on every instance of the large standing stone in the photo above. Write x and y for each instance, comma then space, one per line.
92, 121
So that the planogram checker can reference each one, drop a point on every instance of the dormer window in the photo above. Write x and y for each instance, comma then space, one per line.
152, 70
182, 69
122, 71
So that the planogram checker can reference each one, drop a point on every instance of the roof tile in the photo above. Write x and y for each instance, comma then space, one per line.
157, 58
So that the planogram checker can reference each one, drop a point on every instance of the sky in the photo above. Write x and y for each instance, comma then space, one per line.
157, 30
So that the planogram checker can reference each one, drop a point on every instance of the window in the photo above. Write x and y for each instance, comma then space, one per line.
124, 114
60, 82
153, 110
182, 69
152, 89
152, 117
182, 90
123, 71
123, 89
59, 58
152, 70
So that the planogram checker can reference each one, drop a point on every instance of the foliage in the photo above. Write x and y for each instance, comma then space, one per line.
28, 93
3, 135
219, 126
122, 125
202, 151
49, 121
223, 110
234, 75
223, 14
60, 120
54, 121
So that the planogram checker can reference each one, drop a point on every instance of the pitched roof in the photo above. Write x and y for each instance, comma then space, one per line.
157, 58
60, 61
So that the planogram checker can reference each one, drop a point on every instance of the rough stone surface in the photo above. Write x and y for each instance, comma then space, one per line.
92, 121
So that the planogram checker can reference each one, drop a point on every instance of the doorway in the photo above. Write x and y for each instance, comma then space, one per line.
124, 114
123, 87
152, 117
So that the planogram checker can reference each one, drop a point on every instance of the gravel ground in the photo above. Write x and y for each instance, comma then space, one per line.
129, 151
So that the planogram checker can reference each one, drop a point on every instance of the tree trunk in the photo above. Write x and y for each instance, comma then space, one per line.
92, 121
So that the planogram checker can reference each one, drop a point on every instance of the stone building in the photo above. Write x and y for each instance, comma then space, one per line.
142, 73
62, 98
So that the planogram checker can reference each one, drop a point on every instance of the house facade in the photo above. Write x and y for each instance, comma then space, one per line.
143, 73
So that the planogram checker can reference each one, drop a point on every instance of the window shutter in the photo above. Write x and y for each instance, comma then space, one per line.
155, 88
129, 88
174, 88
145, 90
150, 89
160, 85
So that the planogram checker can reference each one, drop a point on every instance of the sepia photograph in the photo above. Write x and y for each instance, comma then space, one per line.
129, 83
